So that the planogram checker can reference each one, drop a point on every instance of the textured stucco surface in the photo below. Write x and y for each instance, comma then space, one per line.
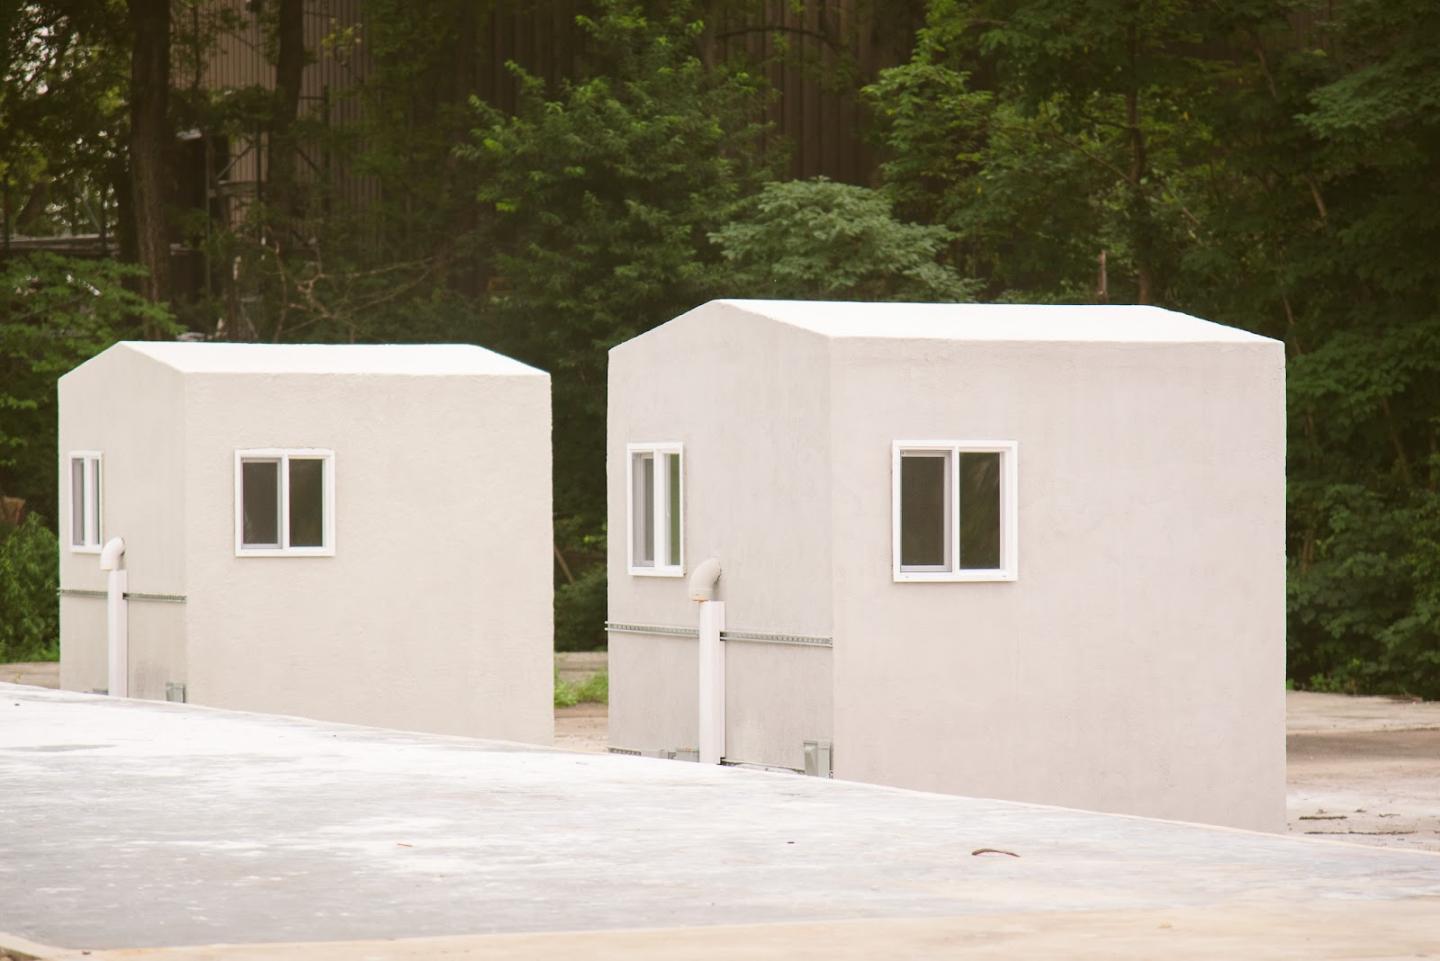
133, 823
131, 410
1137, 663
749, 400
434, 612
1135, 666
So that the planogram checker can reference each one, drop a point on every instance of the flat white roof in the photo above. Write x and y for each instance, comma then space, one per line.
405, 359
1107, 323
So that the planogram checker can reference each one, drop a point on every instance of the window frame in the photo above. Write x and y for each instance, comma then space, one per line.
1009, 513
659, 509
92, 508
283, 455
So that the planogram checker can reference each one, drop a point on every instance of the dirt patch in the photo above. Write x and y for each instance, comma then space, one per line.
1372, 787
584, 727
36, 673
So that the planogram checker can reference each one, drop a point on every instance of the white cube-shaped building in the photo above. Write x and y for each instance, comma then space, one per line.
348, 533
1023, 552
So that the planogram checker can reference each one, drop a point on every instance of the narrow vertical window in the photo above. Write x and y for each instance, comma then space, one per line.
96, 532
954, 511
642, 509
85, 501
284, 502
980, 510
925, 506
78, 500
672, 510
260, 481
656, 501
307, 502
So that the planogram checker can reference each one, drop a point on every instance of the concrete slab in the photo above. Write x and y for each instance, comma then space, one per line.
128, 824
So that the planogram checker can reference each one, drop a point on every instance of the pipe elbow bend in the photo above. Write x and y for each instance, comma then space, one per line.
111, 553
703, 580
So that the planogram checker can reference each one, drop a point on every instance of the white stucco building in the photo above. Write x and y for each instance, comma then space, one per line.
1022, 552
350, 533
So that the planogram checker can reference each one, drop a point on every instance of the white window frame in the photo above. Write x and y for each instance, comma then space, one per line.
660, 521
282, 455
92, 507
1009, 514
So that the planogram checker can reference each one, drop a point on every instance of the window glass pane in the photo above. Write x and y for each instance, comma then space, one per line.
260, 495
980, 511
922, 510
95, 526
672, 463
642, 509
307, 502
77, 501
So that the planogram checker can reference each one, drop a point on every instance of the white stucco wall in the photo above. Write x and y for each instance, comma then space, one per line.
1137, 664
435, 611
128, 408
749, 400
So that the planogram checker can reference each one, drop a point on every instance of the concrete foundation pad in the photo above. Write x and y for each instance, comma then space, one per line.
129, 824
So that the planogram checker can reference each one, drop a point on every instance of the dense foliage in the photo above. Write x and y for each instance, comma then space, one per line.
1271, 164
55, 313
29, 579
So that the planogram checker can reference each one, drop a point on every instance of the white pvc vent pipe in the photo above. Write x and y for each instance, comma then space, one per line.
117, 616
712, 661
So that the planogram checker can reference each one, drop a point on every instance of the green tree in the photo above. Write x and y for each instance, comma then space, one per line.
814, 239
55, 313
29, 583
1261, 164
603, 191
62, 89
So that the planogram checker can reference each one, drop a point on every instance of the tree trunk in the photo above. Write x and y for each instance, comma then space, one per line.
289, 72
150, 141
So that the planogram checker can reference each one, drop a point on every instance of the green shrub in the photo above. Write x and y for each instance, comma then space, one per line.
566, 694
580, 612
593, 690
29, 579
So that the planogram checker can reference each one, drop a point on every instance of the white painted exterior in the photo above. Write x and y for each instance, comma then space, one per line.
1136, 662
432, 609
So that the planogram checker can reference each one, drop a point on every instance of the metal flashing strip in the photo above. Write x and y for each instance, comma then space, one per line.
129, 595
804, 640
163, 598
756, 637
655, 630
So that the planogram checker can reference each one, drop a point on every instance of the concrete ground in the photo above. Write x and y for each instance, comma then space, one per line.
1365, 769
139, 825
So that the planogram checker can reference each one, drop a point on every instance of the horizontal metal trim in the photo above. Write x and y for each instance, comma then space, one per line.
129, 595
755, 637
162, 598
655, 630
